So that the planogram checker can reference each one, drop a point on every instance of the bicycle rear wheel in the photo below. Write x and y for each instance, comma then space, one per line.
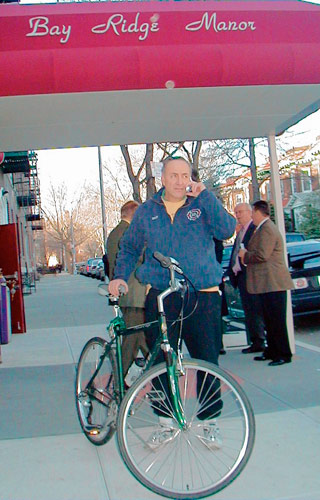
96, 403
189, 462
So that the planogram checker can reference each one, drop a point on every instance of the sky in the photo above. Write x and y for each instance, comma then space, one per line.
78, 166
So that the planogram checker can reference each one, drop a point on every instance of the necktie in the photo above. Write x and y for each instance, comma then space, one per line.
237, 248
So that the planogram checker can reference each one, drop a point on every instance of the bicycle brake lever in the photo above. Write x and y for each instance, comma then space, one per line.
167, 261
177, 269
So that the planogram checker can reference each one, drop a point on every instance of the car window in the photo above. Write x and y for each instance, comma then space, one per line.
303, 248
294, 237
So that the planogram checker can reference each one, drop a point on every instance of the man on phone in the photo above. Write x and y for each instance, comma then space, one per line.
179, 223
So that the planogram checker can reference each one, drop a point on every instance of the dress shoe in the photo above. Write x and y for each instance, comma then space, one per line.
252, 349
263, 357
279, 362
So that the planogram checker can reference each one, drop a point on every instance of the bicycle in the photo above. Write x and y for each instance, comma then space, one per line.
197, 397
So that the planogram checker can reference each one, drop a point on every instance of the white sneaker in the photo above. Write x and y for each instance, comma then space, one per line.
212, 436
163, 435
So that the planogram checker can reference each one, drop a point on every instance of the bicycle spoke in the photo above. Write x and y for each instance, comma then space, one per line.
193, 461
96, 389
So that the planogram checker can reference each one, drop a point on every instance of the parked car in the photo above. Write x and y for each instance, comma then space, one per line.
87, 270
93, 267
290, 237
304, 266
80, 267
100, 274
304, 262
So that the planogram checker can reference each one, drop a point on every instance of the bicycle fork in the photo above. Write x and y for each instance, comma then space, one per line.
174, 370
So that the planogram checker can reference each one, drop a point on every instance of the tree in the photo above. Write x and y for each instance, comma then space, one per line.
310, 216
71, 224
287, 219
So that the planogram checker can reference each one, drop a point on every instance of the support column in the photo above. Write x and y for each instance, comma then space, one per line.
103, 209
278, 208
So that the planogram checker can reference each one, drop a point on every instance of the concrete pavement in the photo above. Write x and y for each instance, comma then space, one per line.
44, 456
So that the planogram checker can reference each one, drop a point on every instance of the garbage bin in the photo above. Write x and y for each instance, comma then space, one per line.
5, 312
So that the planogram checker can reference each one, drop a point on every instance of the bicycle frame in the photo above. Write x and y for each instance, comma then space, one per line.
117, 328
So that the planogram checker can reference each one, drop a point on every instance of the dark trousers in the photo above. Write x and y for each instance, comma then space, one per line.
274, 306
132, 343
201, 333
253, 314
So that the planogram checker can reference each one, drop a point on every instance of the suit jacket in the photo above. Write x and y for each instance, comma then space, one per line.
266, 268
136, 295
234, 277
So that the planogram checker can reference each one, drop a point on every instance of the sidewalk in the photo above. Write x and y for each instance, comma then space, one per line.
44, 456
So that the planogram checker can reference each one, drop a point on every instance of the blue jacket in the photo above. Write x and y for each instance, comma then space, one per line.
188, 239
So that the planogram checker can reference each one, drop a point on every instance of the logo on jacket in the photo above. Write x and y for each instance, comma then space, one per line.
194, 214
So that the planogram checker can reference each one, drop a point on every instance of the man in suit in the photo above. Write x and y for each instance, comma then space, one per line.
132, 304
237, 273
269, 278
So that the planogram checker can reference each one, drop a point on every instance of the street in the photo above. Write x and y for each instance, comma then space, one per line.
307, 329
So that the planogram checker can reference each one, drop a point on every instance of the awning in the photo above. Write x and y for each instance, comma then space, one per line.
123, 72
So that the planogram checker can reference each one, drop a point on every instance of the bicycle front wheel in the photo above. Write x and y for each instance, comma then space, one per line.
204, 456
95, 399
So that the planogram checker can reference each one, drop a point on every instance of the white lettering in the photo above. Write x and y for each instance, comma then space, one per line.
133, 27
207, 22
243, 26
40, 27
100, 29
144, 28
35, 23
119, 25
154, 27
66, 30
113, 24
196, 25
123, 27
232, 26
222, 26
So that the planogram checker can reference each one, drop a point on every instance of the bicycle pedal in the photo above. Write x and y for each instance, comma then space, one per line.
93, 430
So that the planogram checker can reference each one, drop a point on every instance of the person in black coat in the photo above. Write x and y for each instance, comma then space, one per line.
254, 323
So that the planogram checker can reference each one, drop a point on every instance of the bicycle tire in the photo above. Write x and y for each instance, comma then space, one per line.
97, 409
186, 466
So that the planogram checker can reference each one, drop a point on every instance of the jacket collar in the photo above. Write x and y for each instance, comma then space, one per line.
157, 198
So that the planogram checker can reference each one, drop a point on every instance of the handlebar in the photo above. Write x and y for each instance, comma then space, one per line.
168, 262
164, 261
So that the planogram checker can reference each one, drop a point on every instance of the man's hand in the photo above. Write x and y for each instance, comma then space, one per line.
196, 188
114, 286
241, 254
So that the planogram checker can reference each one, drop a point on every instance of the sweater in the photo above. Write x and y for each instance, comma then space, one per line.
188, 239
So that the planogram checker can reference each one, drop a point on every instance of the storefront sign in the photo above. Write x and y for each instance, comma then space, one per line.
85, 47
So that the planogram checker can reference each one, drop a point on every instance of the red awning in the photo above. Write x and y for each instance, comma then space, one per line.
68, 48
